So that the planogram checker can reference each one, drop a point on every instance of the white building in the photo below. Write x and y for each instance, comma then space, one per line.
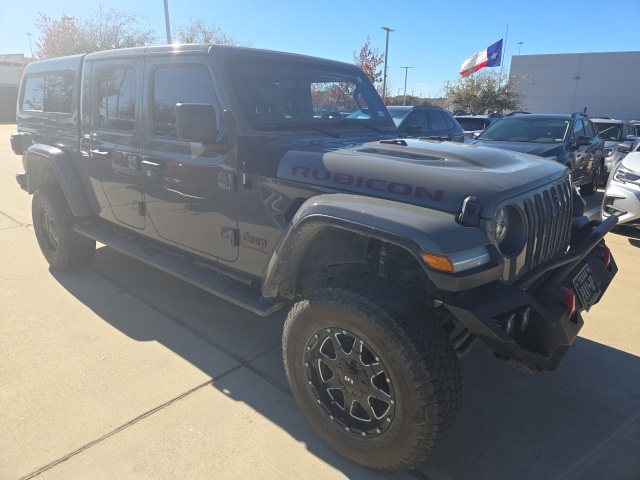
606, 84
10, 66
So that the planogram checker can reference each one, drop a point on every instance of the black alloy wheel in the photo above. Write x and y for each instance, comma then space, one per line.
350, 382
591, 188
53, 221
372, 370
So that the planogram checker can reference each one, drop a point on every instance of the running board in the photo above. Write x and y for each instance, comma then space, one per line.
212, 280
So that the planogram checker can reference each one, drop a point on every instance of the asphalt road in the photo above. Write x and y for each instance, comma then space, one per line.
120, 371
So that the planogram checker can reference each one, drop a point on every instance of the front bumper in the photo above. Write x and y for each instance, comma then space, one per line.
535, 320
622, 200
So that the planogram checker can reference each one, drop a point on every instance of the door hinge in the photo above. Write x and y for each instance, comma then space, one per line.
229, 235
140, 207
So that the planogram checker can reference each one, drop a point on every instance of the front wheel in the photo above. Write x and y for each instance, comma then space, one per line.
53, 220
592, 187
375, 377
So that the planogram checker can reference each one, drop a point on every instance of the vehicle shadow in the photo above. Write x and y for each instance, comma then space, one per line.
512, 425
632, 233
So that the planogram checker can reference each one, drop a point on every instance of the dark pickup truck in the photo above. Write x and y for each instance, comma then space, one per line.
240, 171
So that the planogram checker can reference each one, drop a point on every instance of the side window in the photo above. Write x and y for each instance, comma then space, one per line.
627, 131
117, 98
48, 93
417, 118
589, 130
438, 120
577, 129
172, 85
450, 121
33, 99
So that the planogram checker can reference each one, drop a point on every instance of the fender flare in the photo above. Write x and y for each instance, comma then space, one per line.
42, 162
411, 227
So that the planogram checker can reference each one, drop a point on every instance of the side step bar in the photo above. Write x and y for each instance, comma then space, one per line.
209, 279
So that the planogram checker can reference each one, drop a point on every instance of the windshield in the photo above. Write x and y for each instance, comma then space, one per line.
398, 113
285, 94
527, 129
609, 132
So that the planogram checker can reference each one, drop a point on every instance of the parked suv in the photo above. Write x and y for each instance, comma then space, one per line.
426, 121
225, 167
473, 125
614, 132
569, 139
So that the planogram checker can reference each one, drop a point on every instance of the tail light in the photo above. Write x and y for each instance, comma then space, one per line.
569, 302
606, 254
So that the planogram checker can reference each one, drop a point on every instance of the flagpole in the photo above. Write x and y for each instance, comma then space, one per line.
504, 49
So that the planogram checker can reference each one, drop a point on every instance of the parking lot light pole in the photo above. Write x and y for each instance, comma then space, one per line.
166, 21
406, 71
386, 54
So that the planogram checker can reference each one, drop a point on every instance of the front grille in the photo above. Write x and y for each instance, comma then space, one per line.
548, 214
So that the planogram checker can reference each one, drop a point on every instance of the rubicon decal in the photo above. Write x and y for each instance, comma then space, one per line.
365, 183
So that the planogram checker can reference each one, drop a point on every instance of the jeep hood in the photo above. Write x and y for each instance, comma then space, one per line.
433, 174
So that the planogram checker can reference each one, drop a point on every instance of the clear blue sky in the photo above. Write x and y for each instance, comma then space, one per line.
434, 37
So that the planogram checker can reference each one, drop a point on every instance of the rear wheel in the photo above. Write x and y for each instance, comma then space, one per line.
53, 220
375, 376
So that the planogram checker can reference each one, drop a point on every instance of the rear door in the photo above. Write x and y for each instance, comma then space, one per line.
111, 139
189, 187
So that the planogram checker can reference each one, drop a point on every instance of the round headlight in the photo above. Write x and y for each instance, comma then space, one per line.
509, 230
500, 225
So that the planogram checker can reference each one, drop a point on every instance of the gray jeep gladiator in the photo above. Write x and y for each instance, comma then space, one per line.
245, 172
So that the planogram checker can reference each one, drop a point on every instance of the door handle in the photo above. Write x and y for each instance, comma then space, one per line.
100, 153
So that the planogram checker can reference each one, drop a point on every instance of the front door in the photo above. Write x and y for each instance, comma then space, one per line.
190, 188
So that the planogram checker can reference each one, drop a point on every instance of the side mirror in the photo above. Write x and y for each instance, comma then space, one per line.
196, 122
631, 138
624, 147
413, 129
583, 141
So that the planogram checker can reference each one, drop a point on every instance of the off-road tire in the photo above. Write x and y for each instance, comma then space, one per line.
402, 340
53, 222
591, 188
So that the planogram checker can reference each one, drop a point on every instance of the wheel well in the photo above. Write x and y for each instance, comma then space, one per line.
336, 253
40, 172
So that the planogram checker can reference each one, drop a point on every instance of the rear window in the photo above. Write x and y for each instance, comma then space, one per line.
50, 93
470, 124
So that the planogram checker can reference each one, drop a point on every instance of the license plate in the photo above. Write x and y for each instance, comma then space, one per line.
586, 287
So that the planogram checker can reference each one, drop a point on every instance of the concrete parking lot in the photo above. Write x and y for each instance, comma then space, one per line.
120, 371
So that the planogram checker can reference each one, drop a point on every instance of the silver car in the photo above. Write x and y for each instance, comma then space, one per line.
622, 194
614, 132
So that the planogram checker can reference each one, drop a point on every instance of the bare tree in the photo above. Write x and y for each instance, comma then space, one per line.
106, 29
369, 60
197, 31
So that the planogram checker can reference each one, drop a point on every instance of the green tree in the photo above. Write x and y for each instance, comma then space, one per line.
485, 92
106, 29
197, 31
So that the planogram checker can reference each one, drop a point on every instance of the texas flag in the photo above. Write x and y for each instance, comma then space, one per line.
489, 57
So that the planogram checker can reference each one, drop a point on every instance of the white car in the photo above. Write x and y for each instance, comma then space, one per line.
622, 194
